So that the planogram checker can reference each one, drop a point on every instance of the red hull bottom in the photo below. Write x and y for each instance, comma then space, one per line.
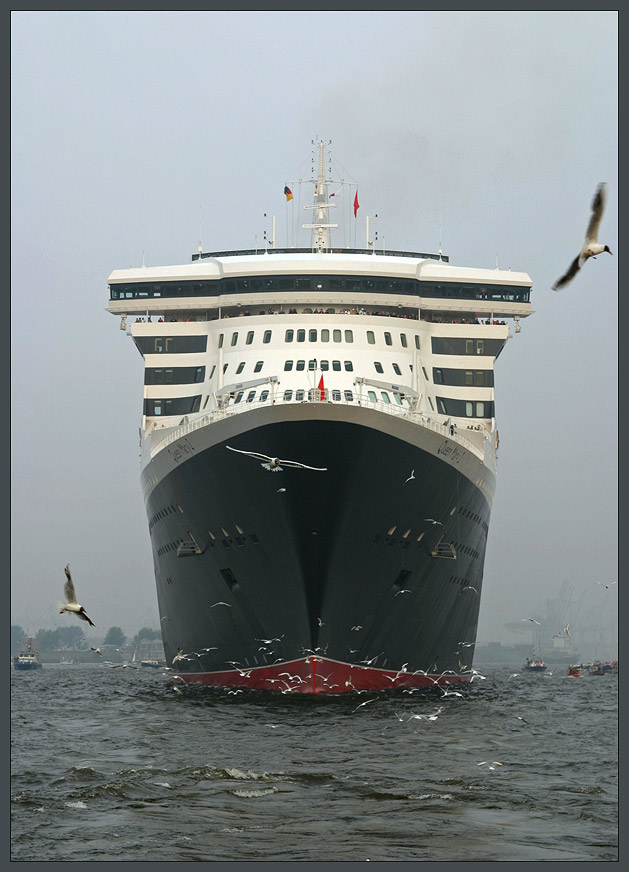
318, 675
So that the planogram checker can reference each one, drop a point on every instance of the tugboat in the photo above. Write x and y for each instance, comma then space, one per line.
28, 658
534, 663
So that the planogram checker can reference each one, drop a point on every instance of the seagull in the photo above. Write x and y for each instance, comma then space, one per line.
520, 718
467, 644
606, 586
320, 622
178, 656
268, 641
281, 490
491, 765
357, 627
410, 478
274, 464
469, 587
566, 629
402, 591
71, 604
522, 620
366, 702
221, 603
432, 521
96, 651
590, 247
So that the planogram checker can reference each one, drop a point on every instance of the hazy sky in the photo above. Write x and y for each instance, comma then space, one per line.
487, 131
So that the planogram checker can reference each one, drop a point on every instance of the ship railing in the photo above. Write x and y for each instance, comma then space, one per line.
159, 440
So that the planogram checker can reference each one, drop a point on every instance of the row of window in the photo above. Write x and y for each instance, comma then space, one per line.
456, 345
465, 408
315, 335
361, 284
324, 365
181, 375
480, 378
176, 375
172, 406
195, 344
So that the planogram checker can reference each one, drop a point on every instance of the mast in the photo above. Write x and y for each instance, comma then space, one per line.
320, 226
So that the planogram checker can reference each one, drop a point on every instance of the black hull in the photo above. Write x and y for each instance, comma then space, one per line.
342, 564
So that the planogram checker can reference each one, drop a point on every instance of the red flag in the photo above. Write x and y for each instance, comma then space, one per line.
321, 389
355, 203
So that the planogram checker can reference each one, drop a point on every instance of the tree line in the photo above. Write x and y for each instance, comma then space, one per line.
73, 638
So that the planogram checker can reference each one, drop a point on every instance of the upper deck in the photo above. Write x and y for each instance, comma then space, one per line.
217, 283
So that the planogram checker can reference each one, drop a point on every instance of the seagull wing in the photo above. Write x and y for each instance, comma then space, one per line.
598, 204
571, 272
84, 617
297, 465
68, 588
251, 453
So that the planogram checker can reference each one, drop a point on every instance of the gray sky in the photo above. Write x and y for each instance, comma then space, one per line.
488, 131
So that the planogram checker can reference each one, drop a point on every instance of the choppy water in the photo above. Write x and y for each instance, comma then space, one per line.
117, 765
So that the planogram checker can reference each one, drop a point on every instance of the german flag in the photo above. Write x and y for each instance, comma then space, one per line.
288, 192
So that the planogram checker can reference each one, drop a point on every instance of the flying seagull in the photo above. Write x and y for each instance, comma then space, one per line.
432, 521
410, 478
590, 247
96, 651
606, 586
71, 604
274, 464
522, 620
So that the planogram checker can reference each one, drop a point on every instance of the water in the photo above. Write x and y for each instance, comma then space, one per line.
114, 764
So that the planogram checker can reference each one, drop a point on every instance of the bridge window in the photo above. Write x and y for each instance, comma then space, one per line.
385, 397
403, 340
288, 336
241, 366
250, 337
258, 366
349, 336
312, 365
299, 396
349, 396
170, 344
378, 366
250, 396
371, 339
325, 365
372, 396
301, 336
288, 365
172, 406
267, 337
387, 339
312, 336
336, 396
301, 365
234, 338
349, 367
417, 341
177, 375
264, 396
396, 369
336, 335
336, 365
220, 340
325, 336
288, 395
239, 396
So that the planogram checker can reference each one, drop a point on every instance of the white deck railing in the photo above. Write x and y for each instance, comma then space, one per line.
156, 442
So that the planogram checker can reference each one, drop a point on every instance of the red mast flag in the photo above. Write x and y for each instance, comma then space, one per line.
355, 203
321, 389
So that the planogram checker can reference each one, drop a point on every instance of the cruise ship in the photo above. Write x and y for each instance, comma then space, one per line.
318, 456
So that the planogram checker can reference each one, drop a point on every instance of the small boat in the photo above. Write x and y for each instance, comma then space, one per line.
534, 664
66, 661
153, 664
575, 671
28, 658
